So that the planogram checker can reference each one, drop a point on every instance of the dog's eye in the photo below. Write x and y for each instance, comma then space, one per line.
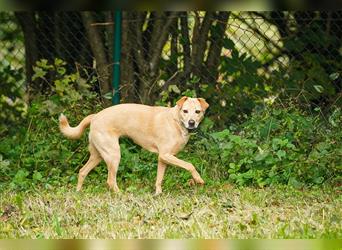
185, 111
198, 111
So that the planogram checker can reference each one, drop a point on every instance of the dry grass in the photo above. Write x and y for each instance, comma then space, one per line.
206, 212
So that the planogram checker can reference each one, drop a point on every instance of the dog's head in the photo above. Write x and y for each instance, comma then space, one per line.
191, 111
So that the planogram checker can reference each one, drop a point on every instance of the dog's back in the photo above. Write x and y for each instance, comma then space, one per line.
141, 123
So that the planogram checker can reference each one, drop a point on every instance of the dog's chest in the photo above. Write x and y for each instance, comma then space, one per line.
180, 142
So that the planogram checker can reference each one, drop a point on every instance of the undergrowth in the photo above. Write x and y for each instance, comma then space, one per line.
274, 146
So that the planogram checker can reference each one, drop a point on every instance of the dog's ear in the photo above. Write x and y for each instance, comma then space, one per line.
203, 103
181, 101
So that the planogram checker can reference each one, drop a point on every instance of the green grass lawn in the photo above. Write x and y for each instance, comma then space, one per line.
212, 211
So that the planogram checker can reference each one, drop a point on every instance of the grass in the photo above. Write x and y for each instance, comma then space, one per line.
212, 211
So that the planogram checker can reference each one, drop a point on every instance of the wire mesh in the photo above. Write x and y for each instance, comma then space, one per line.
178, 51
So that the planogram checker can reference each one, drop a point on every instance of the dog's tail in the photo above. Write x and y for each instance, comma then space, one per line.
73, 132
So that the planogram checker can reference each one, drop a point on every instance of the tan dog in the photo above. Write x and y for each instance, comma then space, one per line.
160, 130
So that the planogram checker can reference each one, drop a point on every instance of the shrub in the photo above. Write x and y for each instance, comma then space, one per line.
33, 148
277, 146
12, 106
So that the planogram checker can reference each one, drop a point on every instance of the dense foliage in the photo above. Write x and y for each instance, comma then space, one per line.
273, 82
12, 106
276, 144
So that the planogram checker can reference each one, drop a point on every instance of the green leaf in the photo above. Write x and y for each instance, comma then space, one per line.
236, 139
221, 135
281, 154
318, 180
334, 76
60, 87
261, 156
108, 96
38, 73
207, 124
57, 225
42, 63
37, 176
61, 70
59, 62
19, 201
318, 88
74, 77
174, 88
294, 182
204, 87
21, 175
269, 126
228, 44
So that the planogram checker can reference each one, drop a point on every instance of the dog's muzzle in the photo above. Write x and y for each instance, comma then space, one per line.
191, 124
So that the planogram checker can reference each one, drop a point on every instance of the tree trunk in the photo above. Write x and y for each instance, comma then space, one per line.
183, 74
186, 45
45, 32
128, 88
147, 61
27, 23
172, 69
110, 41
159, 43
199, 42
216, 44
99, 52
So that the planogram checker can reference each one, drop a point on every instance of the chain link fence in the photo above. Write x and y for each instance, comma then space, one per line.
232, 58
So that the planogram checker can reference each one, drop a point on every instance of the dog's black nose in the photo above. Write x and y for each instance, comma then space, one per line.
191, 123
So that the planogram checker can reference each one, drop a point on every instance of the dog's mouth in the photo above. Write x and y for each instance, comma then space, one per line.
191, 128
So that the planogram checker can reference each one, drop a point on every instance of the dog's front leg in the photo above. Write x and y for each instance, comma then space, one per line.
160, 175
171, 159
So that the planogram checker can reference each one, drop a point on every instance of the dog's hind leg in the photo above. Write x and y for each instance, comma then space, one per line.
112, 160
160, 175
109, 149
93, 161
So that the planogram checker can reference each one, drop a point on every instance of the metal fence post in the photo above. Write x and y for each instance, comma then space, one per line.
116, 58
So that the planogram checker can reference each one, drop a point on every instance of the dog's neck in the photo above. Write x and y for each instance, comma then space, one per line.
175, 114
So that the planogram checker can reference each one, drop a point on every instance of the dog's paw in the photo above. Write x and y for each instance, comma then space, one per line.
114, 189
192, 182
199, 180
158, 191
